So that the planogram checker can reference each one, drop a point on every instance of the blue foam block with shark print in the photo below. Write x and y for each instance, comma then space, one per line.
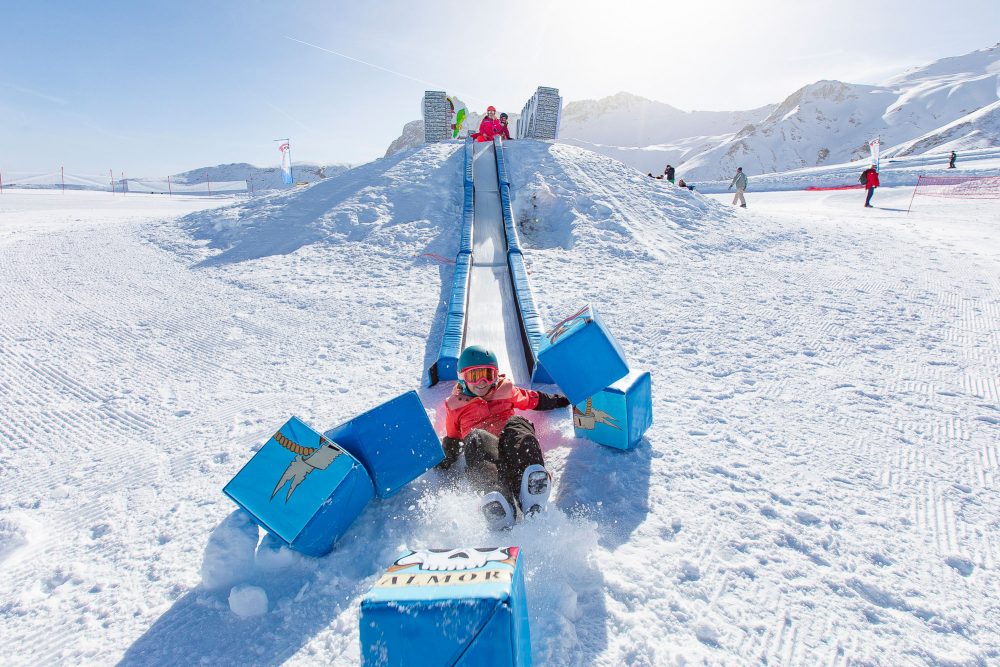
619, 415
303, 488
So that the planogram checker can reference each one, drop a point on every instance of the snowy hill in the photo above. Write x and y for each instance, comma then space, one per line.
262, 178
819, 485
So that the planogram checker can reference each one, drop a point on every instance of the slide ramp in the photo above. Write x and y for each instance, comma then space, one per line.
492, 313
491, 302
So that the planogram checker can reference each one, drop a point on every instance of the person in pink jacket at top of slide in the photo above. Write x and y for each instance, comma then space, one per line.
490, 127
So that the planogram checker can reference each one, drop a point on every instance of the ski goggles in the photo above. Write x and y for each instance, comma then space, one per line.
478, 374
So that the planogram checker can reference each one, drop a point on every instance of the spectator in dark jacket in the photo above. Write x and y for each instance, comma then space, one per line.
669, 173
504, 130
951, 160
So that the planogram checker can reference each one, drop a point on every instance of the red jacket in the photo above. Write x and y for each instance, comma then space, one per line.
490, 128
871, 178
491, 412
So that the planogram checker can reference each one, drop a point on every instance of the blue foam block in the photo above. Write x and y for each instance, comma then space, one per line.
582, 356
457, 607
303, 489
395, 441
619, 415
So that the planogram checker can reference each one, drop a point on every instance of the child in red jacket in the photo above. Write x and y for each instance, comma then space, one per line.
502, 456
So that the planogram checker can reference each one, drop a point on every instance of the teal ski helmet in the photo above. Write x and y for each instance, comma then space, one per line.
472, 356
476, 355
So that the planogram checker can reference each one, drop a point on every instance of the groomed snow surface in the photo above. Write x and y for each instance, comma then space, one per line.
820, 484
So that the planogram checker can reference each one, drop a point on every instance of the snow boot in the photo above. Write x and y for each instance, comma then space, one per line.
536, 484
497, 511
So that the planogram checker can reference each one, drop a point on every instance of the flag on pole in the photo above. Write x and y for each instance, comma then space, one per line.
286, 163
874, 145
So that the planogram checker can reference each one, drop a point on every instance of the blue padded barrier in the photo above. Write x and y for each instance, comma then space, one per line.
468, 215
302, 488
532, 330
395, 441
468, 160
463, 607
502, 177
619, 415
446, 366
513, 239
582, 356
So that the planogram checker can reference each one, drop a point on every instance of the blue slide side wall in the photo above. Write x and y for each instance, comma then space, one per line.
532, 331
446, 366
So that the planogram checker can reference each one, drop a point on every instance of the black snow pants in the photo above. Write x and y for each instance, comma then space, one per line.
497, 464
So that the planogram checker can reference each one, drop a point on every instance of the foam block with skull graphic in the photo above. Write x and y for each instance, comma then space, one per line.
444, 560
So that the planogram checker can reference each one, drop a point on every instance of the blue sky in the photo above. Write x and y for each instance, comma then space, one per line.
156, 88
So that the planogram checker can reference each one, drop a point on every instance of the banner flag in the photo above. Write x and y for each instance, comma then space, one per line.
874, 145
286, 163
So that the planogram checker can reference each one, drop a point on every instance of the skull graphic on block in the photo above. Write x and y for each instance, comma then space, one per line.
448, 607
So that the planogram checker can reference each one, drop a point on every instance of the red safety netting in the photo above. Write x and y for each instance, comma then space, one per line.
822, 188
961, 187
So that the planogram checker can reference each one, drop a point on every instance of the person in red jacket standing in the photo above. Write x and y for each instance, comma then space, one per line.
490, 126
502, 455
870, 176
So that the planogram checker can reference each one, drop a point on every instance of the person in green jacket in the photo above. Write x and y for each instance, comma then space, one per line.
740, 181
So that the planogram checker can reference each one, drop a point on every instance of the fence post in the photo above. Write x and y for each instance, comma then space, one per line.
111, 174
170, 189
207, 180
62, 178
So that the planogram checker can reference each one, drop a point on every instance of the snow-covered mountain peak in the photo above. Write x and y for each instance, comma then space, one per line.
970, 65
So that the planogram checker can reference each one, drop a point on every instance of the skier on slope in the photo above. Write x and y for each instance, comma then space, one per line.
502, 455
490, 126
870, 179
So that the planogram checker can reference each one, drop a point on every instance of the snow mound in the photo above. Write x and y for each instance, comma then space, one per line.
570, 198
399, 203
229, 554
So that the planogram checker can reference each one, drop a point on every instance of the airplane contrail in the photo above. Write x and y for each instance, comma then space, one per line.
379, 67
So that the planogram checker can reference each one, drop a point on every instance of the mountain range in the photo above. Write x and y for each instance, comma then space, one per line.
950, 104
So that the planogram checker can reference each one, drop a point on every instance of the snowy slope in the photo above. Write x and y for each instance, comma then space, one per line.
632, 121
819, 485
977, 130
831, 121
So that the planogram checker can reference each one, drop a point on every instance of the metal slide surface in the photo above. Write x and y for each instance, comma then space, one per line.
492, 318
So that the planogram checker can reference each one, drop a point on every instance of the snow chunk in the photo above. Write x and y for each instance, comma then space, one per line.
13, 536
229, 555
248, 601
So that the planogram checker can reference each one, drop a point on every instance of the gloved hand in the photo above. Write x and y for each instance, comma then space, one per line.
561, 401
452, 447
